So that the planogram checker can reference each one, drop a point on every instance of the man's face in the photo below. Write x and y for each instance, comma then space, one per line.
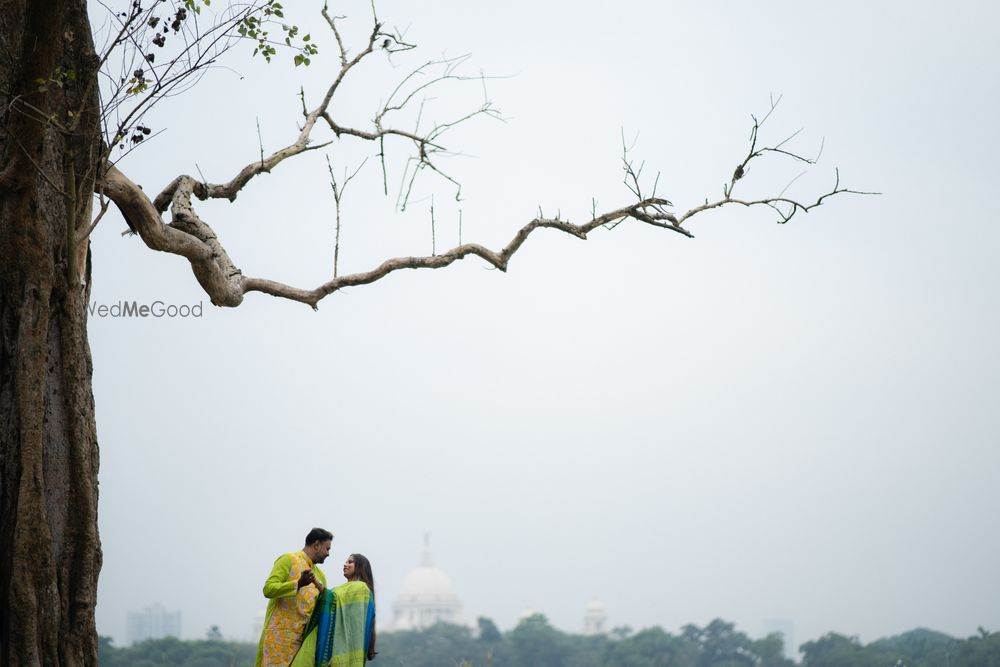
322, 551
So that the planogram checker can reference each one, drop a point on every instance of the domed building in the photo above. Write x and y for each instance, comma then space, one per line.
427, 597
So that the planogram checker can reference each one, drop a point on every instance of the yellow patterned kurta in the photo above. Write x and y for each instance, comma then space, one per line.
288, 609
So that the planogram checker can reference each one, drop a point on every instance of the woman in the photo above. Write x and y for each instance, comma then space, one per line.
342, 625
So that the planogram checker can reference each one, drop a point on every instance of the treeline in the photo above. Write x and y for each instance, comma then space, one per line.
172, 652
535, 643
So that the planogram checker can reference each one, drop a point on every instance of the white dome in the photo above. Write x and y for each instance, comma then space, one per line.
427, 598
427, 584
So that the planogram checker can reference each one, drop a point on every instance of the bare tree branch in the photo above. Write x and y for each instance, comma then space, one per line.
645, 211
338, 193
331, 21
84, 233
188, 236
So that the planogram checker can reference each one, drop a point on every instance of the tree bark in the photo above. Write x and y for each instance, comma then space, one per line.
50, 553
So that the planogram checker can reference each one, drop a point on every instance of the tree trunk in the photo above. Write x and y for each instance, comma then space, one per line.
50, 553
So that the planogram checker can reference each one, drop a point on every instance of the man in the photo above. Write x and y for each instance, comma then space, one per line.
291, 590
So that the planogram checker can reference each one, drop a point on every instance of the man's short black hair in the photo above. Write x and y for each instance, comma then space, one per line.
318, 535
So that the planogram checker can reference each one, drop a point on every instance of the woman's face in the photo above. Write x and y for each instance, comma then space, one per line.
349, 568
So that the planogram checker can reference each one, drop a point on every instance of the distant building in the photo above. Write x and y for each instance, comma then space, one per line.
427, 597
153, 622
594, 618
785, 628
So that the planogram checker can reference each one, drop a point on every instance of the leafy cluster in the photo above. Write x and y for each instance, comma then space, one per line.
58, 78
254, 26
917, 648
160, 48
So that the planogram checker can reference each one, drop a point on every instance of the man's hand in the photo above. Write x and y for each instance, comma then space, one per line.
307, 577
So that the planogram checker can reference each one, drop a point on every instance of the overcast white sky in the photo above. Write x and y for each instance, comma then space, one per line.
766, 421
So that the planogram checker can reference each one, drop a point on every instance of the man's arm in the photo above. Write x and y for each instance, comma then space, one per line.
277, 584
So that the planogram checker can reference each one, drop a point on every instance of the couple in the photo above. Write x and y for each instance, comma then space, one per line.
310, 625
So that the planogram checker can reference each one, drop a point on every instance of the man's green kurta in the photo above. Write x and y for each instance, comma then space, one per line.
288, 611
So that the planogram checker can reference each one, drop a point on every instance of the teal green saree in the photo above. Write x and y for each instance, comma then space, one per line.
343, 619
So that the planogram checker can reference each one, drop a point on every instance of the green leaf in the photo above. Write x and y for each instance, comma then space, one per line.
306, 38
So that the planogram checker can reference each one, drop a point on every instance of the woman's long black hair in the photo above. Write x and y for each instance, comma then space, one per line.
363, 571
